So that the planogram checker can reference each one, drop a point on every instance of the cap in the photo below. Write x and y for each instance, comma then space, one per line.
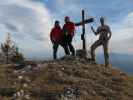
67, 17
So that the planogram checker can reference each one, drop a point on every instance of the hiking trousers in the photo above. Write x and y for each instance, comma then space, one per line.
104, 44
55, 49
68, 42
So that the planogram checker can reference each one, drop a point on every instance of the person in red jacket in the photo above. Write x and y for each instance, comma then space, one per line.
68, 33
56, 39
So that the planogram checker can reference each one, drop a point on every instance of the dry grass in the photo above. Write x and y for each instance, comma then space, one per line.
53, 79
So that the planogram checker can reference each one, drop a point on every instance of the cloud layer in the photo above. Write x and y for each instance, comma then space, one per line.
122, 35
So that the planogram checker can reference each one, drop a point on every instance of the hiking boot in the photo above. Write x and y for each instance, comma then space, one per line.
92, 61
108, 66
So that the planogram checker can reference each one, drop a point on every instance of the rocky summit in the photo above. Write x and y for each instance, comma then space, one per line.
70, 78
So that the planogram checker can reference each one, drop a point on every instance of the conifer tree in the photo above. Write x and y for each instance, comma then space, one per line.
8, 48
10, 51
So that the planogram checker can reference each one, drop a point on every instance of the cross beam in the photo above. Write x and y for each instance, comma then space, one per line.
82, 23
85, 22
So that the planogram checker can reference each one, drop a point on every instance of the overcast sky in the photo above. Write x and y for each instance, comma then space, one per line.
30, 21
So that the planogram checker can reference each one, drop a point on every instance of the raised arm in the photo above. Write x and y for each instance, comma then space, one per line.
93, 30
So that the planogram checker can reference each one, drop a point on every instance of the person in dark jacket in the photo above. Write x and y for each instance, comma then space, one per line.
57, 39
68, 34
105, 34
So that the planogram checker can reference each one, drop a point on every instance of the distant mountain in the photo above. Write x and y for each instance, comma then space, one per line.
123, 62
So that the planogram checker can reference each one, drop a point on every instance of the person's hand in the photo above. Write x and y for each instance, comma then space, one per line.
109, 37
52, 40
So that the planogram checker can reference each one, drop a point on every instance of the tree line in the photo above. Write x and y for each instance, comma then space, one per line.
10, 52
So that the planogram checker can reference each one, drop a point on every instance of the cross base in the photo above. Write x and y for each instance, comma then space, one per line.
81, 53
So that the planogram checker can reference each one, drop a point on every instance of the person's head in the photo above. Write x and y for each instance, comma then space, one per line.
67, 19
102, 20
57, 23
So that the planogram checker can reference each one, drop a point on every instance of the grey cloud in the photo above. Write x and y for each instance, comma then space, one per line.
10, 26
122, 35
29, 23
26, 19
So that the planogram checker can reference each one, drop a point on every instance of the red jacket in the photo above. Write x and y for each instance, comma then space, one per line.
56, 34
70, 28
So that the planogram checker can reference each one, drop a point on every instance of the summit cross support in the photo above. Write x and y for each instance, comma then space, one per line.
82, 23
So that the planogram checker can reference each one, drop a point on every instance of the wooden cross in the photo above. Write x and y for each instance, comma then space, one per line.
82, 23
